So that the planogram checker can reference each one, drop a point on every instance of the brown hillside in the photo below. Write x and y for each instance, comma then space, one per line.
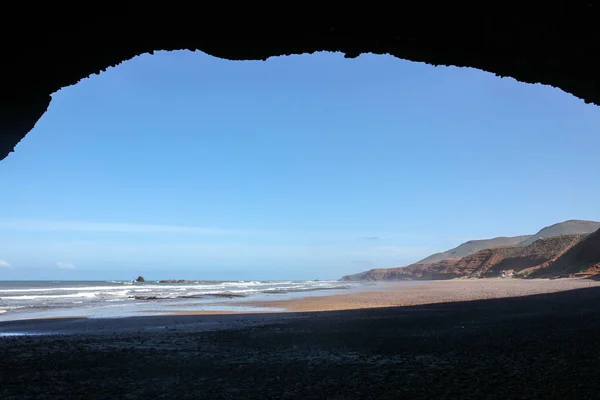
472, 247
538, 255
570, 227
583, 258
484, 263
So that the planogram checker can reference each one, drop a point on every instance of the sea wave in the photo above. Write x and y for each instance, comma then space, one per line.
49, 296
225, 295
179, 287
297, 290
100, 294
232, 293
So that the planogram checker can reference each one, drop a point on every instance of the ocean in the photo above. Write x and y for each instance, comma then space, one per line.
109, 299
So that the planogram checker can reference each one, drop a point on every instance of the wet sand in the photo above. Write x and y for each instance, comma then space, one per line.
450, 347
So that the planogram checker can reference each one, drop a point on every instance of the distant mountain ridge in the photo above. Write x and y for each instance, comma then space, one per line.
483, 264
566, 247
473, 246
570, 227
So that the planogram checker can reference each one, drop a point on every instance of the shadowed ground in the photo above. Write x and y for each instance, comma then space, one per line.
540, 346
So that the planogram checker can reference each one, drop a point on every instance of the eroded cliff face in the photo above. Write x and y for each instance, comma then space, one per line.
569, 227
524, 260
555, 43
581, 259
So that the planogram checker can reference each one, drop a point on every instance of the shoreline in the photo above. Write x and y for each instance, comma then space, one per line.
396, 295
525, 346
399, 295
365, 296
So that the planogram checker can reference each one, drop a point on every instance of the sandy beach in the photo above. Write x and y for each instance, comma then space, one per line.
484, 339
428, 292
433, 292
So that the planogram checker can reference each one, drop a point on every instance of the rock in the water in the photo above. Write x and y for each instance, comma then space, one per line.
140, 279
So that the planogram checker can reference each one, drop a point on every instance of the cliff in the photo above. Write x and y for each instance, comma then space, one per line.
524, 260
570, 227
581, 259
472, 247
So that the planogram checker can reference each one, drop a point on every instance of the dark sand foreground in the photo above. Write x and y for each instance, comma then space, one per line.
543, 346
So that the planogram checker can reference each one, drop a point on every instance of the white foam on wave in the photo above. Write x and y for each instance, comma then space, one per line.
144, 292
121, 293
60, 289
50, 296
246, 283
76, 289
160, 287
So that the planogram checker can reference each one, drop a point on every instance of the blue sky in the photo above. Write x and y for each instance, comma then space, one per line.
182, 165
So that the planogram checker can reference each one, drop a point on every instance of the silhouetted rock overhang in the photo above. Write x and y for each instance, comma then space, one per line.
555, 43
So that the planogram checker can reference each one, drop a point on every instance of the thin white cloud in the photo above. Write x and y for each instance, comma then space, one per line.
392, 251
81, 226
4, 264
220, 252
65, 265
65, 249
291, 235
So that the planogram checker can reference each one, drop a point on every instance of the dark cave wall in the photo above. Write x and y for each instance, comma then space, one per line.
554, 43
